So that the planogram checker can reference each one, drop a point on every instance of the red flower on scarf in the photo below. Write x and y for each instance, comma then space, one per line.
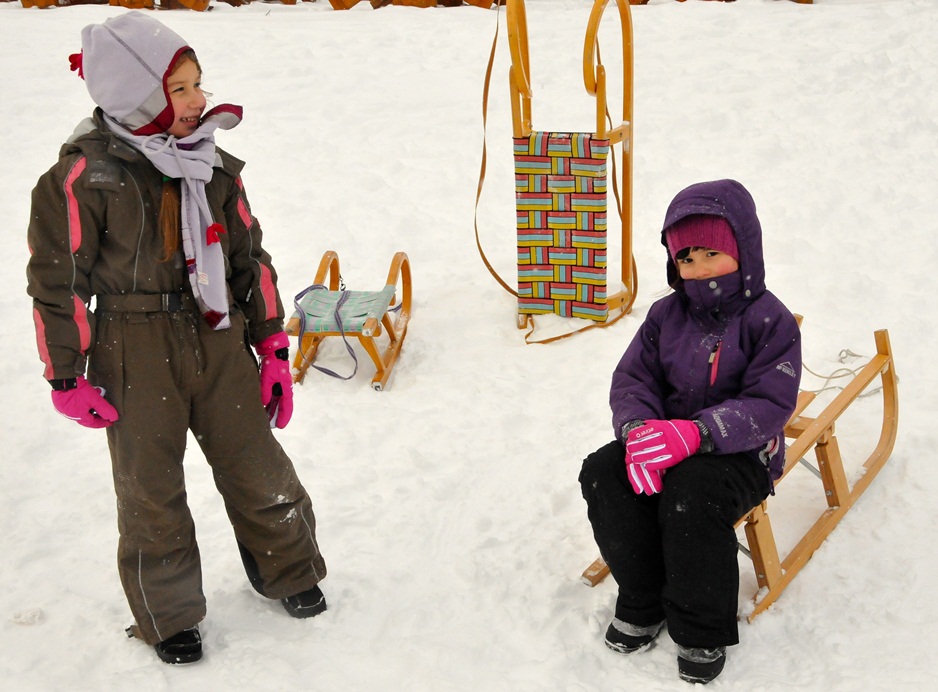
211, 233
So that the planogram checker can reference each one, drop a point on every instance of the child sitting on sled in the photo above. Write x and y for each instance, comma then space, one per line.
699, 402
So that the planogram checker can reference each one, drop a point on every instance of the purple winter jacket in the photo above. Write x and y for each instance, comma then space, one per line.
725, 352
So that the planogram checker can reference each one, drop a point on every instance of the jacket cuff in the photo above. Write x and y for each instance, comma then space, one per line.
63, 384
258, 333
706, 441
628, 427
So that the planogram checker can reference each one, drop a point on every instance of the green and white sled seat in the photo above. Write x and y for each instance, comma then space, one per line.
772, 573
325, 310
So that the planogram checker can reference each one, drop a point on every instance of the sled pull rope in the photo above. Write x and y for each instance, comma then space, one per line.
840, 373
344, 294
485, 109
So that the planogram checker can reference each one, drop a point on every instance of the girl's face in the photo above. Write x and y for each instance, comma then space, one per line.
185, 93
704, 263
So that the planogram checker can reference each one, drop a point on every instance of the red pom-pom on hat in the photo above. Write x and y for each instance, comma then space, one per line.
74, 64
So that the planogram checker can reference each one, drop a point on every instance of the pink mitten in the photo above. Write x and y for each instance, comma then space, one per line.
84, 404
276, 380
652, 448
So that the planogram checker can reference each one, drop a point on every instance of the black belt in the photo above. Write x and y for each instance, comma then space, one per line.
146, 302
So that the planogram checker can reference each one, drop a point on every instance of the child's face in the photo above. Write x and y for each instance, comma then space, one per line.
185, 93
704, 263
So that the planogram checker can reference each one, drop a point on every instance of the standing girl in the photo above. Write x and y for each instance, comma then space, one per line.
147, 218
699, 402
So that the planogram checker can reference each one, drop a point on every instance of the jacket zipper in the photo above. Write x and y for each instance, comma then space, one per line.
715, 361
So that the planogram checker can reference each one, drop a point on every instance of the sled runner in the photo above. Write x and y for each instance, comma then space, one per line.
561, 188
324, 309
772, 573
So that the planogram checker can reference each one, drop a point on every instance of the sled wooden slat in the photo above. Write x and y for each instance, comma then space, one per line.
772, 573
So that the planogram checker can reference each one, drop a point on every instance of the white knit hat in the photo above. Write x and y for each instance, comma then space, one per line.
125, 63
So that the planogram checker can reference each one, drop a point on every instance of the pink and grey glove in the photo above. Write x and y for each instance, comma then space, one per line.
276, 379
77, 400
654, 447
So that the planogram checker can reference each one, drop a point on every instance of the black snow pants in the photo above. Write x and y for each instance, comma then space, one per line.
674, 554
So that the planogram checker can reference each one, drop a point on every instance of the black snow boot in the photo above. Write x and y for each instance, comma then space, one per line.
305, 604
183, 647
627, 638
700, 665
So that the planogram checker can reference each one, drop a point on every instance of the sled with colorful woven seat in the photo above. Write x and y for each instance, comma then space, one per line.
561, 189
324, 309
805, 432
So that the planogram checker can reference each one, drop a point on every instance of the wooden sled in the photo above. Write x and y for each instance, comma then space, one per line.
594, 79
773, 574
362, 315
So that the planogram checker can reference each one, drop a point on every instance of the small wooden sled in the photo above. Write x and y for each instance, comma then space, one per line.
363, 315
773, 574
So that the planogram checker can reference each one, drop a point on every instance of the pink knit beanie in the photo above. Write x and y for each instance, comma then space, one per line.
702, 230
125, 63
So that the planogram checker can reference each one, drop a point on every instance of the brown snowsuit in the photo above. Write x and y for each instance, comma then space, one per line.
93, 234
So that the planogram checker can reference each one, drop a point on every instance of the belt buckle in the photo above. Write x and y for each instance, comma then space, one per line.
172, 302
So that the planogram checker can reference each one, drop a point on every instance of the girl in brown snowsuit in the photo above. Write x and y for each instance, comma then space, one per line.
144, 218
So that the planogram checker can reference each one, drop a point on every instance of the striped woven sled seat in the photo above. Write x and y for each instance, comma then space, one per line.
348, 311
325, 310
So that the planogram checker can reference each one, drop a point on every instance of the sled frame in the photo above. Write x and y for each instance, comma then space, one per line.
395, 330
772, 573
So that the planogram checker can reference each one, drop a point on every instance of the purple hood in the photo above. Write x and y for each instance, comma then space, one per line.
729, 199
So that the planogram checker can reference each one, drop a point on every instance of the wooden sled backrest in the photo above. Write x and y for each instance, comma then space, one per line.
594, 72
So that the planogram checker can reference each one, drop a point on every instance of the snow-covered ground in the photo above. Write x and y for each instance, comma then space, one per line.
449, 511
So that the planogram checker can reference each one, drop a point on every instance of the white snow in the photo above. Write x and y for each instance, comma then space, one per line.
448, 507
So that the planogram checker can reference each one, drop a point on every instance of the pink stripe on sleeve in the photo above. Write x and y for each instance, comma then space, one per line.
269, 291
242, 207
74, 219
245, 214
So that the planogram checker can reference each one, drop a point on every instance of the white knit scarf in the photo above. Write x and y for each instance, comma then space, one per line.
191, 160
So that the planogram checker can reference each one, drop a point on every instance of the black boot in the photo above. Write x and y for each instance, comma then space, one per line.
305, 604
626, 638
183, 647
700, 665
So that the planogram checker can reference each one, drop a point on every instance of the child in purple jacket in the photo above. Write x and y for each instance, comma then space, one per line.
699, 402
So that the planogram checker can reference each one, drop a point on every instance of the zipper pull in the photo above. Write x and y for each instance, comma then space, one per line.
714, 361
